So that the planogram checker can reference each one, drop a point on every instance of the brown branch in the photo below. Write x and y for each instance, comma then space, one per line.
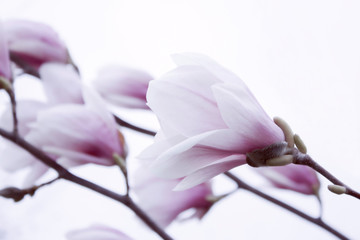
317, 221
133, 127
305, 159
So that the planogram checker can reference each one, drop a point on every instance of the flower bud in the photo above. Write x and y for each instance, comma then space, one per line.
32, 44
337, 189
123, 87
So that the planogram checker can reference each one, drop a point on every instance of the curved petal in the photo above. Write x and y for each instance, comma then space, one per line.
298, 178
243, 114
210, 171
221, 73
57, 76
5, 70
77, 157
93, 101
97, 232
174, 163
184, 110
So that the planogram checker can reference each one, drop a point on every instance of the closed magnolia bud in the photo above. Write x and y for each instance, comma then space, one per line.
123, 87
32, 44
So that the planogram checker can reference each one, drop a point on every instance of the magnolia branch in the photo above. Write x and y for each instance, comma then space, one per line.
133, 127
65, 174
339, 188
18, 194
317, 221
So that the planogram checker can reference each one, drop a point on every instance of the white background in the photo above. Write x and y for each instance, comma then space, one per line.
300, 58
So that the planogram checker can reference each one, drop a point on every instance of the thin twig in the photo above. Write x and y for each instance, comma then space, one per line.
305, 159
11, 94
317, 221
133, 127
65, 174
18, 194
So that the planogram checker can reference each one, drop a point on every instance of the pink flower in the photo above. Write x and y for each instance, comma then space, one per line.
97, 232
78, 134
157, 198
5, 70
124, 87
209, 121
32, 44
71, 134
297, 178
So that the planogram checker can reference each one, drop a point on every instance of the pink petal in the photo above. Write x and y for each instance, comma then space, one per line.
122, 86
5, 70
298, 178
34, 43
94, 102
97, 232
243, 114
210, 171
57, 76
75, 158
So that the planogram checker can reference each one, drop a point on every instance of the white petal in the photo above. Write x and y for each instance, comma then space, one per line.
210, 171
242, 113
169, 163
221, 73
61, 83
184, 110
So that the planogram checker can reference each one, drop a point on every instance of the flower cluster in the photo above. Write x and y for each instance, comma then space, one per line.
210, 123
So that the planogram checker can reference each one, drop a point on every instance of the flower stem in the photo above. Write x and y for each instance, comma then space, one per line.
11, 94
65, 174
305, 159
317, 221
133, 127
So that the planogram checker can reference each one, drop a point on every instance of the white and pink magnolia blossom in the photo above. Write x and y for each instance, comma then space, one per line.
71, 134
123, 86
78, 134
97, 232
297, 178
32, 44
157, 198
209, 122
5, 70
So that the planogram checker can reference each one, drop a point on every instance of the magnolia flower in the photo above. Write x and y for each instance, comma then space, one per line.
5, 70
210, 123
79, 134
124, 87
32, 44
297, 178
157, 199
71, 134
97, 232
